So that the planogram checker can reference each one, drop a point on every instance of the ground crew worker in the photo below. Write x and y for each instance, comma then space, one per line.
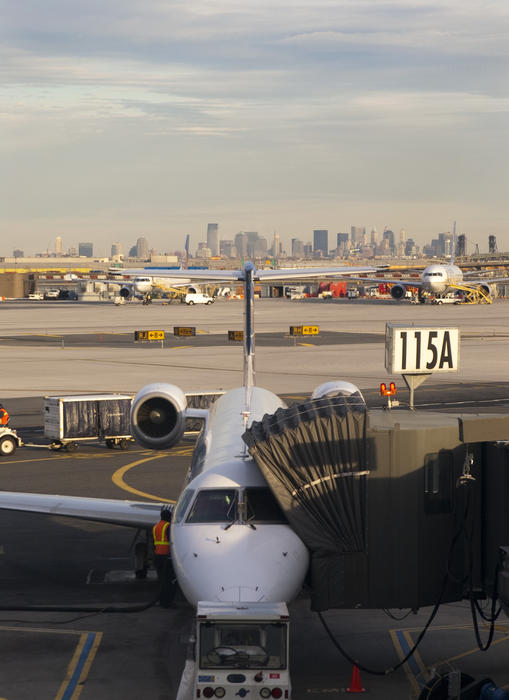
162, 559
4, 416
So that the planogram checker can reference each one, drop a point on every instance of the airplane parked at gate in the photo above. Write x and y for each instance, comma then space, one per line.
439, 279
230, 541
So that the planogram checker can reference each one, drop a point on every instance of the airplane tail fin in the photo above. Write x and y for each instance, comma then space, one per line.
249, 335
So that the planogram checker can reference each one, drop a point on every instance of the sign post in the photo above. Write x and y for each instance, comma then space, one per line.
417, 352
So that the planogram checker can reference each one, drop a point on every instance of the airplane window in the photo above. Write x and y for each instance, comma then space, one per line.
214, 506
184, 501
263, 507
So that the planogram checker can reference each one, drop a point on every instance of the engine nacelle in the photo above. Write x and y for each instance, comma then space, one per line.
338, 388
398, 291
125, 292
158, 415
486, 289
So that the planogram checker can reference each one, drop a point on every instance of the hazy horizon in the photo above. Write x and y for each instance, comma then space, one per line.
142, 118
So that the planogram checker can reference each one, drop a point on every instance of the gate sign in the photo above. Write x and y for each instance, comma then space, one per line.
420, 350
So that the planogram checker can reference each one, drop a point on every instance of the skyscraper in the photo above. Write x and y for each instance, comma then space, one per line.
86, 250
342, 243
276, 246
241, 245
213, 238
297, 248
142, 248
321, 242
58, 245
116, 249
461, 246
357, 234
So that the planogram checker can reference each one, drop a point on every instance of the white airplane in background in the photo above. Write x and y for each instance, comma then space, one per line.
441, 279
142, 282
230, 541
438, 279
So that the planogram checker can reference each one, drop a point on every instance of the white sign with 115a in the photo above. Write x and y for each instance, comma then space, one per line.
420, 350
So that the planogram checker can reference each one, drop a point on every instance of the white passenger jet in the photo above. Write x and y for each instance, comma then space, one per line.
440, 279
142, 282
230, 540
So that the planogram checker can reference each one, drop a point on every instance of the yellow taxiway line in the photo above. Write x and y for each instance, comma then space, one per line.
118, 476
79, 666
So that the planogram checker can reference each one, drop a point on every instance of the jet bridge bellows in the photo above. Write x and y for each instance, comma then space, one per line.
313, 456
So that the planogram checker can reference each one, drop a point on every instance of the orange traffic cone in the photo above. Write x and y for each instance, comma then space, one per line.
355, 683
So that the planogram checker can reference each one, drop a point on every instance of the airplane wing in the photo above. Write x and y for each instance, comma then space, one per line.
137, 514
484, 280
303, 272
238, 275
417, 282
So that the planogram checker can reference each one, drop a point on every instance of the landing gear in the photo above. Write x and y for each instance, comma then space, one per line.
141, 558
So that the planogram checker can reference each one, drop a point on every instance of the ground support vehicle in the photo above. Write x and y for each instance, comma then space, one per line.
446, 299
9, 441
69, 420
197, 298
241, 649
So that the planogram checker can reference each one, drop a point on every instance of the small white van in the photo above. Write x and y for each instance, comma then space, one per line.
198, 298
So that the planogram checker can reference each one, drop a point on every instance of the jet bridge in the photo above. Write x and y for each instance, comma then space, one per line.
390, 504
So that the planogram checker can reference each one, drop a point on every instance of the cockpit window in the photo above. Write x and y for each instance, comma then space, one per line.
184, 501
214, 506
263, 507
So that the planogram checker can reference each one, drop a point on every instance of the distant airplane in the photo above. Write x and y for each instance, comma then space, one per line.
230, 540
142, 283
439, 279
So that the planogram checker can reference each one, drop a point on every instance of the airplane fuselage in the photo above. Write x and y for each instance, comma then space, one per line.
230, 541
440, 279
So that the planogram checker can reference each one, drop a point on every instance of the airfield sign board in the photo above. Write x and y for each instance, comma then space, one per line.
420, 349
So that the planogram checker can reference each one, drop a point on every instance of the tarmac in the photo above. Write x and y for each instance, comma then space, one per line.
55, 366
53, 561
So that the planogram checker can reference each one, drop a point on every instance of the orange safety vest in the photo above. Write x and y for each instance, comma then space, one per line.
161, 537
4, 416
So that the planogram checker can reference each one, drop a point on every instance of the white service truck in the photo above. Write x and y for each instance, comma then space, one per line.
242, 650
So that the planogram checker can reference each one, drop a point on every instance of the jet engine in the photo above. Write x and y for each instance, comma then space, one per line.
158, 415
125, 292
398, 291
485, 289
338, 388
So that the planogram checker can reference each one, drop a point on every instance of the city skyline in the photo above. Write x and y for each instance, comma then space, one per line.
121, 121
251, 245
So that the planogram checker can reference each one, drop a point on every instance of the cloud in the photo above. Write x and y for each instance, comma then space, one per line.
279, 96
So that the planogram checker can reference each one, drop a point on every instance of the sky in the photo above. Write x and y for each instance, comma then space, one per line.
129, 118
